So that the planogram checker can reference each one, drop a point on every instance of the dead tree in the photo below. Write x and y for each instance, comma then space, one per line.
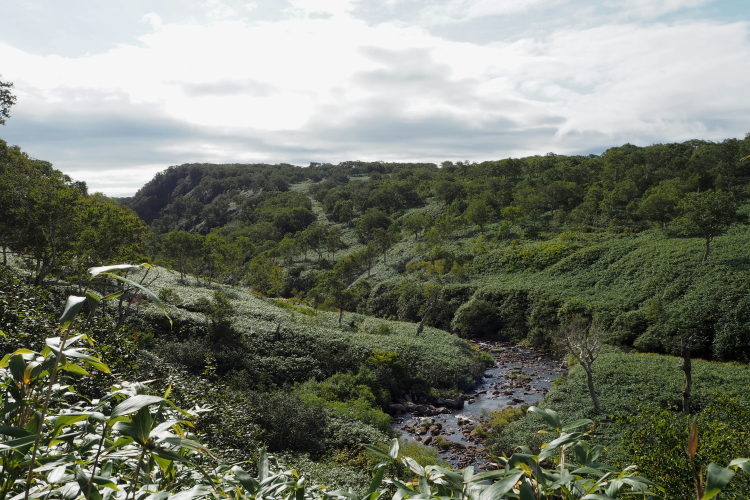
583, 339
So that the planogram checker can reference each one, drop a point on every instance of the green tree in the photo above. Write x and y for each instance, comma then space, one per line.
479, 212
661, 203
383, 239
7, 99
583, 339
707, 214
343, 211
333, 241
330, 289
315, 237
182, 250
414, 223
265, 275
287, 249
108, 232
371, 220
48, 225
222, 259
449, 191
219, 311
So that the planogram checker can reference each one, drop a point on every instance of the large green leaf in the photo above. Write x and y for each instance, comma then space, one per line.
196, 491
394, 449
376, 451
133, 404
577, 424
743, 463
16, 444
500, 488
551, 418
72, 307
246, 480
95, 271
148, 293
717, 477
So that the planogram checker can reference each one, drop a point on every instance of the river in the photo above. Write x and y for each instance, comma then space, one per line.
520, 375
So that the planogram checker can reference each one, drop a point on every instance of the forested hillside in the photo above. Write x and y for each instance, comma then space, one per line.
651, 238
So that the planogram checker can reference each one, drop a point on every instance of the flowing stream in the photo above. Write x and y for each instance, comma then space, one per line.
520, 375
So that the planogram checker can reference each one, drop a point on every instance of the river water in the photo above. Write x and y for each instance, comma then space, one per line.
520, 375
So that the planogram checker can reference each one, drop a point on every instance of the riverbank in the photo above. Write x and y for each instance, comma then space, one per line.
519, 376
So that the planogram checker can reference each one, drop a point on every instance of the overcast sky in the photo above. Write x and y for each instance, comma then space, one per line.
112, 92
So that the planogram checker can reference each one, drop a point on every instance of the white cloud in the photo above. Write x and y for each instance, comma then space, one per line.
647, 9
335, 87
152, 19
329, 7
453, 11
218, 10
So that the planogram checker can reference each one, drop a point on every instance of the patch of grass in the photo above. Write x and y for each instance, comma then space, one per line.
296, 307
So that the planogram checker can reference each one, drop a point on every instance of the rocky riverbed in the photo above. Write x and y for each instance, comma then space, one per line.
520, 375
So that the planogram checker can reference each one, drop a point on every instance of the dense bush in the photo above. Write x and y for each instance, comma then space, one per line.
657, 438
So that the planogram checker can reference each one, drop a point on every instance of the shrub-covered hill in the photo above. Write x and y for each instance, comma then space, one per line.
650, 238
271, 342
647, 290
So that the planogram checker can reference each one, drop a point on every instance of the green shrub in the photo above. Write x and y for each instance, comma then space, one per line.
477, 318
656, 441
169, 296
345, 395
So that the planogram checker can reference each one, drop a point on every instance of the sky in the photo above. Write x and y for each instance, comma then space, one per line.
112, 92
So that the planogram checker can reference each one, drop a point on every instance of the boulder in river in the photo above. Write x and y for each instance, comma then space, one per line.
396, 409
456, 403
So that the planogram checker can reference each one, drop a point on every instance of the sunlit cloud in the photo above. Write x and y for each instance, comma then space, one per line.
317, 81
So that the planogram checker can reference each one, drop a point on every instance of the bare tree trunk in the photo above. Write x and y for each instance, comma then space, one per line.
687, 368
341, 316
592, 391
426, 314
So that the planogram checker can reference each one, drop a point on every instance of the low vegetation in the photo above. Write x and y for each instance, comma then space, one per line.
642, 423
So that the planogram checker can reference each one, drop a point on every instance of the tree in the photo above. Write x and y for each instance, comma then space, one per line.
449, 191
222, 259
219, 312
315, 237
265, 275
343, 211
707, 214
333, 241
366, 257
383, 240
7, 99
108, 232
479, 212
331, 287
48, 226
371, 220
582, 338
183, 250
661, 204
414, 223
432, 296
